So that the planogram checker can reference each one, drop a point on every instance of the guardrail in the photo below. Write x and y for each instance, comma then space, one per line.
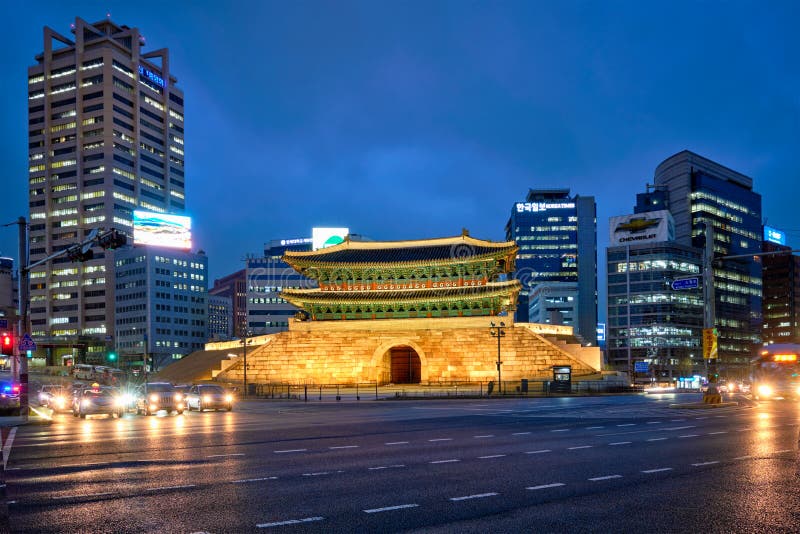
373, 391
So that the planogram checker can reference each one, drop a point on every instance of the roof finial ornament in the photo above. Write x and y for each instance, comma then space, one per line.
464, 232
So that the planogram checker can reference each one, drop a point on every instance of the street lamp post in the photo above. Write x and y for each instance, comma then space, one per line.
244, 342
498, 331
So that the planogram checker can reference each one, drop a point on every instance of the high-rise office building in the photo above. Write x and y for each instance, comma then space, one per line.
557, 238
220, 317
106, 130
161, 305
781, 299
234, 287
701, 192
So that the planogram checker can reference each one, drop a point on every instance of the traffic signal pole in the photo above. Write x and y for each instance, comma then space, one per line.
712, 395
22, 328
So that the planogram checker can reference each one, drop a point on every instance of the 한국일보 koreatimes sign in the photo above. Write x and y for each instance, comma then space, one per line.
649, 227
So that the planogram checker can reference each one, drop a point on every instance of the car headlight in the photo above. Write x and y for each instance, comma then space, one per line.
127, 398
206, 398
60, 401
178, 397
228, 398
798, 390
153, 397
764, 390
119, 402
85, 402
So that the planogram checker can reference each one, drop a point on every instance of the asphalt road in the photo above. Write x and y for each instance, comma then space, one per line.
603, 464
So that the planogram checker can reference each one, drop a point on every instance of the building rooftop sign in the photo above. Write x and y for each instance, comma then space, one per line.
649, 227
773, 235
535, 207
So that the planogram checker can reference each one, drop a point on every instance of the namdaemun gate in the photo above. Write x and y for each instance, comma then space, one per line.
396, 312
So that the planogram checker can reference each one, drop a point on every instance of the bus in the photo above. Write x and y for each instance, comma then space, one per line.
776, 372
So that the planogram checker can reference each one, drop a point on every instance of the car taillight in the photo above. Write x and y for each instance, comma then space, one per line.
15, 389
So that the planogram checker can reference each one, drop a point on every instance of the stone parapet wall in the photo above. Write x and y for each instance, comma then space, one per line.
450, 350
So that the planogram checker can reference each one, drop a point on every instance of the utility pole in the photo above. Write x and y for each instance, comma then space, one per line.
244, 361
712, 395
498, 332
22, 328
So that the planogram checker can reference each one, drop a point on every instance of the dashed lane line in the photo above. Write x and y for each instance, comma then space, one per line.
746, 457
579, 447
656, 439
606, 477
380, 467
700, 464
484, 436
628, 424
450, 461
542, 451
290, 522
397, 443
440, 439
520, 434
715, 433
594, 427
290, 450
546, 486
561, 430
491, 456
162, 488
248, 480
658, 470
225, 455
345, 447
688, 436
84, 495
476, 496
390, 508
620, 443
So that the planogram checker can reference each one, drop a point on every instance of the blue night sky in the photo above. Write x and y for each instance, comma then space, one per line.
418, 118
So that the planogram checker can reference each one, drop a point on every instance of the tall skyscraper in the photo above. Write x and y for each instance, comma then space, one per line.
557, 238
105, 136
702, 192
781, 302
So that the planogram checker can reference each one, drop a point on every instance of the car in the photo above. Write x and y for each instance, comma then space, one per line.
208, 396
98, 399
9, 397
56, 397
155, 396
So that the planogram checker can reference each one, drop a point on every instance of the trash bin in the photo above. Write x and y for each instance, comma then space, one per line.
523, 386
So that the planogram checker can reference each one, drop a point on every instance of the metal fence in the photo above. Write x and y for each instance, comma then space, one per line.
374, 391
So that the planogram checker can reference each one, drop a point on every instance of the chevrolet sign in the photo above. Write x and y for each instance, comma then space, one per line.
647, 227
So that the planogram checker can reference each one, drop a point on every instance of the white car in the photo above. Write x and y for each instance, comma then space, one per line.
208, 397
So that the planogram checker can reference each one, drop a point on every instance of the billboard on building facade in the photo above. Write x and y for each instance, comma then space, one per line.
648, 227
162, 230
327, 237
773, 235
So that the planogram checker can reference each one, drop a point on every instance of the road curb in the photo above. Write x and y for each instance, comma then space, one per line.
703, 406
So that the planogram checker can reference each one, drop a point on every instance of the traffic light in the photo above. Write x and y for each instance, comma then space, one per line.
7, 342
112, 356
80, 252
112, 239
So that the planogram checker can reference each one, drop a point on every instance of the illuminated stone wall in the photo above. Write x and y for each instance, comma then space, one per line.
455, 349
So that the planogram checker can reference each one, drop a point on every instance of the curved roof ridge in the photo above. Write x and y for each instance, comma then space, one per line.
347, 244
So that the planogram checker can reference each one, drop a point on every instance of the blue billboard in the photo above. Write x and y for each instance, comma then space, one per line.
773, 235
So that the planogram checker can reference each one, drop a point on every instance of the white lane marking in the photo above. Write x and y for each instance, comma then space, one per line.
539, 452
6, 447
446, 461
715, 433
246, 480
441, 439
656, 439
594, 427
172, 487
546, 486
397, 443
390, 508
491, 456
345, 447
659, 470
700, 418
676, 420
579, 447
654, 422
520, 433
224, 455
746, 457
476, 496
561, 430
289, 522
743, 430
486, 436
621, 443
607, 477
83, 496
705, 463
783, 450
720, 416
628, 424
678, 427
385, 467
317, 474
290, 450
688, 436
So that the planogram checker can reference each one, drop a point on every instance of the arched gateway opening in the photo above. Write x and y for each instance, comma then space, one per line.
405, 365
